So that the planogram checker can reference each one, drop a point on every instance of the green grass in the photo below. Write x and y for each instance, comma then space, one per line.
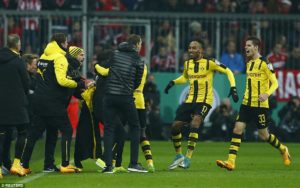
258, 165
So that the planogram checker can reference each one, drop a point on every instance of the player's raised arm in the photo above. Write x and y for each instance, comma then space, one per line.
223, 69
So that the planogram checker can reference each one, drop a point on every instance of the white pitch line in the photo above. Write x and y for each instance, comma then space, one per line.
36, 176
32, 177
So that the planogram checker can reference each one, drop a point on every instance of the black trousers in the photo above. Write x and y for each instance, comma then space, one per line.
88, 138
114, 106
51, 123
6, 148
50, 145
120, 135
51, 138
34, 132
119, 143
5, 144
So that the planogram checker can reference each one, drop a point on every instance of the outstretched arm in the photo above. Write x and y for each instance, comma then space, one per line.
223, 69
101, 70
180, 80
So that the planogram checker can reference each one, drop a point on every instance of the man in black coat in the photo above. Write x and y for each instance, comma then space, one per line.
14, 84
31, 61
124, 77
98, 109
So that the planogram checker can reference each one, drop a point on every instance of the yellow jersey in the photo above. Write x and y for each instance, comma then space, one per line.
200, 76
260, 79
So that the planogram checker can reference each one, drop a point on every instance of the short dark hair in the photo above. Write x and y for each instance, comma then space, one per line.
200, 42
13, 40
59, 38
27, 58
255, 41
134, 39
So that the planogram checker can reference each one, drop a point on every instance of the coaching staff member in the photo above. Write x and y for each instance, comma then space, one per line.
51, 98
124, 77
14, 84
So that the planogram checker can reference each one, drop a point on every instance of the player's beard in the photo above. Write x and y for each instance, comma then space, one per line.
196, 56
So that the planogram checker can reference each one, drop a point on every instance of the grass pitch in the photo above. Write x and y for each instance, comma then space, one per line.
258, 165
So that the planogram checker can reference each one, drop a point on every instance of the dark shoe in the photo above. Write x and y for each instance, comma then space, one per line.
5, 170
51, 169
108, 170
136, 168
78, 164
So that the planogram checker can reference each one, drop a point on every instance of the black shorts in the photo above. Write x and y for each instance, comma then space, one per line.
259, 116
186, 111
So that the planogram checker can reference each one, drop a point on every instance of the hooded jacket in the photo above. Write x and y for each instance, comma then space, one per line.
14, 84
54, 89
125, 73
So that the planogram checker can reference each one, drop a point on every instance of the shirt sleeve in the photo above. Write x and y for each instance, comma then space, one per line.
60, 69
268, 68
101, 70
184, 77
223, 69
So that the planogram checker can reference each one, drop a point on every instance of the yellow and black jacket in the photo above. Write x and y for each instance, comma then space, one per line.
138, 92
200, 76
54, 86
88, 140
260, 79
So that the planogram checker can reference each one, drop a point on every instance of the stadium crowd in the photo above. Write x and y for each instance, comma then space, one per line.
207, 6
284, 51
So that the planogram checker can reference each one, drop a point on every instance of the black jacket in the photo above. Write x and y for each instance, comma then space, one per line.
32, 84
99, 95
14, 84
126, 71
